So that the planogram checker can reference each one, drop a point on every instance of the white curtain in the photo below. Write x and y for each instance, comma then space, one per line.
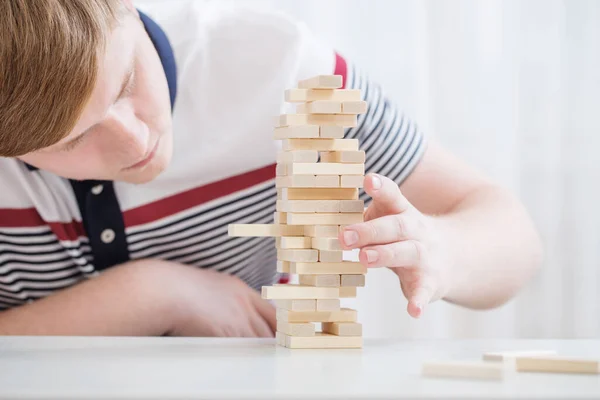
513, 86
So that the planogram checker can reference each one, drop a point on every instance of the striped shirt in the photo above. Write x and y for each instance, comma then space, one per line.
227, 70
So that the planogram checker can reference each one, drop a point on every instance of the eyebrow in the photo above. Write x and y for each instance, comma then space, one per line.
126, 83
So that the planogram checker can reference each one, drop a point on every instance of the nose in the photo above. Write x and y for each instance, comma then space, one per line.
129, 135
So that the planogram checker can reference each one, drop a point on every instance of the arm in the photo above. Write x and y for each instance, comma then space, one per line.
492, 242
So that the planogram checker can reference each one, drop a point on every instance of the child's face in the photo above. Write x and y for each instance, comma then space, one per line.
128, 138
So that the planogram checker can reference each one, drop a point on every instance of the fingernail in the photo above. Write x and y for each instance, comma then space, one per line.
376, 182
350, 237
372, 256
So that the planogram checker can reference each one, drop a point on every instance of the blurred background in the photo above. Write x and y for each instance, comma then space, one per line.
512, 86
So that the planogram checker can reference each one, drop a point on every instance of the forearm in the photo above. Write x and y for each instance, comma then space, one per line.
116, 303
494, 248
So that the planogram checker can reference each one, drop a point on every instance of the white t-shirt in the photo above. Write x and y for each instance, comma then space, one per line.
232, 67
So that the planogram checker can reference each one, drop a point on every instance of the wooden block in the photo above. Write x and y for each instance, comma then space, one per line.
299, 305
320, 107
327, 181
281, 169
299, 292
304, 95
354, 107
320, 280
352, 280
344, 267
343, 315
280, 218
321, 243
314, 168
352, 181
347, 292
283, 267
320, 144
317, 194
322, 82
298, 156
298, 181
321, 230
553, 364
332, 132
309, 206
352, 157
345, 120
331, 256
296, 328
324, 218
463, 369
352, 206
294, 242
328, 305
298, 255
511, 355
342, 328
250, 230
320, 341
296, 132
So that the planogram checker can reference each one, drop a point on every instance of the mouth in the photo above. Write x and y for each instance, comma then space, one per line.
147, 159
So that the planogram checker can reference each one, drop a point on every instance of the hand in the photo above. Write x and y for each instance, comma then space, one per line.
396, 235
209, 303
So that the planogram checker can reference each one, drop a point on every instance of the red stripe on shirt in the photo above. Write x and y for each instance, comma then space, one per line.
30, 218
341, 68
197, 196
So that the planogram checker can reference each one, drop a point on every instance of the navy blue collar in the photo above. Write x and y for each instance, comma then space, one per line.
167, 58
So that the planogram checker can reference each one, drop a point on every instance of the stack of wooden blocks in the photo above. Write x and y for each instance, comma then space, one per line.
319, 174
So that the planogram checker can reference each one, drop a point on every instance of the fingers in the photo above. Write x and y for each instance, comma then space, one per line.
386, 195
420, 297
407, 253
266, 314
418, 288
384, 230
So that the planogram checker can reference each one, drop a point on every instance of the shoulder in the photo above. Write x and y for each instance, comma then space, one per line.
15, 183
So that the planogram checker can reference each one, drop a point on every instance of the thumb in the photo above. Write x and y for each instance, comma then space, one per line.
386, 195
418, 288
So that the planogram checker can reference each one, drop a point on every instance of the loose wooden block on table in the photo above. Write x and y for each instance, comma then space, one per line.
342, 328
304, 95
298, 255
328, 305
352, 280
320, 107
320, 280
330, 256
314, 168
321, 82
555, 364
300, 305
298, 156
343, 315
254, 230
309, 206
320, 144
511, 355
293, 242
463, 369
326, 244
344, 120
298, 131
352, 181
299, 292
321, 230
354, 157
317, 194
324, 218
345, 267
320, 341
296, 328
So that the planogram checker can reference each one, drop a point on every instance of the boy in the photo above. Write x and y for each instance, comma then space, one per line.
129, 141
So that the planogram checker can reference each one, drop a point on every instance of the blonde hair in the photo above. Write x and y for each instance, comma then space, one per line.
50, 52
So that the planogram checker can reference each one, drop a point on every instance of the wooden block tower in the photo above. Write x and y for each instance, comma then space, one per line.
319, 174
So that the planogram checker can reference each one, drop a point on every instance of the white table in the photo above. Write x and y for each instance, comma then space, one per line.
200, 368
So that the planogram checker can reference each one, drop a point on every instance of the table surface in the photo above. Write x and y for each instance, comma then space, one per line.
219, 368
